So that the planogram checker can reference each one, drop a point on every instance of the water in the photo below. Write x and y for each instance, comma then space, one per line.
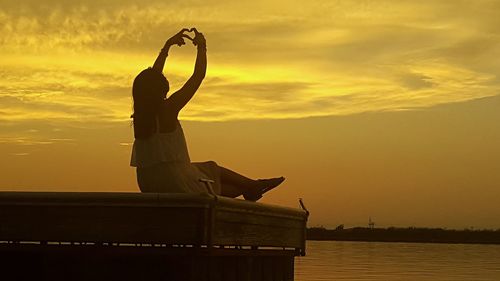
331, 260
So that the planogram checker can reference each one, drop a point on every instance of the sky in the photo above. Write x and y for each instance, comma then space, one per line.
381, 109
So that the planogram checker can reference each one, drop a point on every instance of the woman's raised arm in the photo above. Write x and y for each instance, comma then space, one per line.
176, 39
180, 98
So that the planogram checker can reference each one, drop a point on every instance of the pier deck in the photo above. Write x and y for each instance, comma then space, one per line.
147, 236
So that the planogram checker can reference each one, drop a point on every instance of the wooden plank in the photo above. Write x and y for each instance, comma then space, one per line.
106, 199
102, 224
238, 205
290, 269
214, 270
228, 267
257, 272
258, 225
103, 217
255, 235
244, 269
260, 219
141, 263
197, 219
256, 230
140, 250
199, 269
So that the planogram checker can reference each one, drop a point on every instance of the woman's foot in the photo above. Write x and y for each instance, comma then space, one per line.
267, 184
263, 186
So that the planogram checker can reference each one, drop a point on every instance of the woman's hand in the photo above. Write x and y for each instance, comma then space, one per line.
199, 40
178, 39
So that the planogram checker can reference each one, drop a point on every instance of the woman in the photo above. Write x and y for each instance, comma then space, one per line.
160, 152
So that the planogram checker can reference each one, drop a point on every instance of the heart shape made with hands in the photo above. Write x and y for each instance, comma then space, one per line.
190, 36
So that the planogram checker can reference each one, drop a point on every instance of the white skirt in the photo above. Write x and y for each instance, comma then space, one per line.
175, 177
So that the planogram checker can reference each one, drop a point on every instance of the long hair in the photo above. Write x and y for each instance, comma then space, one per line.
148, 91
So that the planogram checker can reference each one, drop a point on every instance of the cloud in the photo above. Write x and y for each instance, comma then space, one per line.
74, 60
25, 141
20, 154
416, 81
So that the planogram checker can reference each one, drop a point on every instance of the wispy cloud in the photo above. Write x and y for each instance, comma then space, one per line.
20, 154
33, 140
269, 59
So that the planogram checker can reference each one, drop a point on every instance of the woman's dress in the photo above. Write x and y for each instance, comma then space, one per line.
163, 165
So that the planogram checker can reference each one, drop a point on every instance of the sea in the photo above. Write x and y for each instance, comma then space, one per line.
381, 261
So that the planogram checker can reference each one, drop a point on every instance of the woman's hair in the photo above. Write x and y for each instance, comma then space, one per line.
149, 90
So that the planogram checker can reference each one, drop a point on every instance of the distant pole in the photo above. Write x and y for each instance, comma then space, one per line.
371, 224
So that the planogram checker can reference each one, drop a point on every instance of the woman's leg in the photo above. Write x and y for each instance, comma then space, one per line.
231, 177
231, 191
234, 184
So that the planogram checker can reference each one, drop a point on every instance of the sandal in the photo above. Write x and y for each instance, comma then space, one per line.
255, 195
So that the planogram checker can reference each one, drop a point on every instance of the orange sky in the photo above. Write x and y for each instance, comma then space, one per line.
385, 109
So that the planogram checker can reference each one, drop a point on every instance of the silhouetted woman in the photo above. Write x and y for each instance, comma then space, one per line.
160, 152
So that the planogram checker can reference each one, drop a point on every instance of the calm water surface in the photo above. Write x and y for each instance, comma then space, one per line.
330, 260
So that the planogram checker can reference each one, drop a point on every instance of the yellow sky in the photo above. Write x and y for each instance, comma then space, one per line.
66, 69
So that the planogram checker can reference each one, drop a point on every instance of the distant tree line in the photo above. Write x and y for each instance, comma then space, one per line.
410, 234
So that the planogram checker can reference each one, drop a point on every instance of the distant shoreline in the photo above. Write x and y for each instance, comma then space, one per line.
408, 235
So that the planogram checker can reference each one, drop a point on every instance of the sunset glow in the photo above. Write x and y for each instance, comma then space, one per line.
66, 70
286, 60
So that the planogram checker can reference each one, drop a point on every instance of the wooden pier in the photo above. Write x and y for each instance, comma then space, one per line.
146, 236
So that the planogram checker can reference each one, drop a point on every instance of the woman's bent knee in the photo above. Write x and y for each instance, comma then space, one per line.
207, 163
213, 163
